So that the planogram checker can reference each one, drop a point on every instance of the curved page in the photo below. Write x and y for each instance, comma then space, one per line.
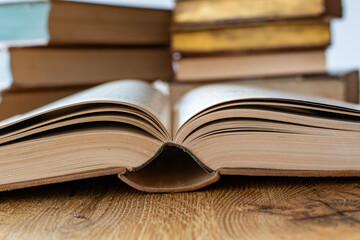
205, 97
130, 92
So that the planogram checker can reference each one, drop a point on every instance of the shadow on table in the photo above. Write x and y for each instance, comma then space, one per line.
226, 183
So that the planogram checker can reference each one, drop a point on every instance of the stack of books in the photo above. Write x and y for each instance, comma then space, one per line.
52, 49
281, 44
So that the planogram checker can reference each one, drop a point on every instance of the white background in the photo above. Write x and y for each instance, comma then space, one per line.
344, 53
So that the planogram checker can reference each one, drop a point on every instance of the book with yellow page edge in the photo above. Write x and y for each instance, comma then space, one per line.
208, 26
204, 14
128, 128
231, 39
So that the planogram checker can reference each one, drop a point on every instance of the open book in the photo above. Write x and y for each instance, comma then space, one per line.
129, 128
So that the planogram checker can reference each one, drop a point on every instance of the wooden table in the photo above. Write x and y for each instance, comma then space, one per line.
236, 207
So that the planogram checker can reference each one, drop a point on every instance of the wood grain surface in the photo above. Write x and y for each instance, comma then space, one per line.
235, 207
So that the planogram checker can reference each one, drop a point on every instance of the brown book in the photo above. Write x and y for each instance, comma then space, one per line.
205, 14
342, 87
249, 65
79, 23
52, 67
126, 128
253, 37
19, 101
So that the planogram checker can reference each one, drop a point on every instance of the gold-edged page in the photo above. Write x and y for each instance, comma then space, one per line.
208, 96
134, 93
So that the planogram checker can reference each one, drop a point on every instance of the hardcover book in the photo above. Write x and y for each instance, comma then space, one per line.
253, 37
34, 67
128, 128
205, 14
249, 65
56, 22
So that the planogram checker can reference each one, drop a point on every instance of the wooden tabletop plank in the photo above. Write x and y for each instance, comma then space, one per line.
236, 207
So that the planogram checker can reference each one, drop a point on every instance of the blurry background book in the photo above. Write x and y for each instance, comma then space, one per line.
231, 39
58, 48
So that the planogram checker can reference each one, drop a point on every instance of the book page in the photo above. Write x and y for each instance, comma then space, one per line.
130, 92
204, 97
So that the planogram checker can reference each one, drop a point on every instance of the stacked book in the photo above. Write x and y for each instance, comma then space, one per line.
52, 49
277, 44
